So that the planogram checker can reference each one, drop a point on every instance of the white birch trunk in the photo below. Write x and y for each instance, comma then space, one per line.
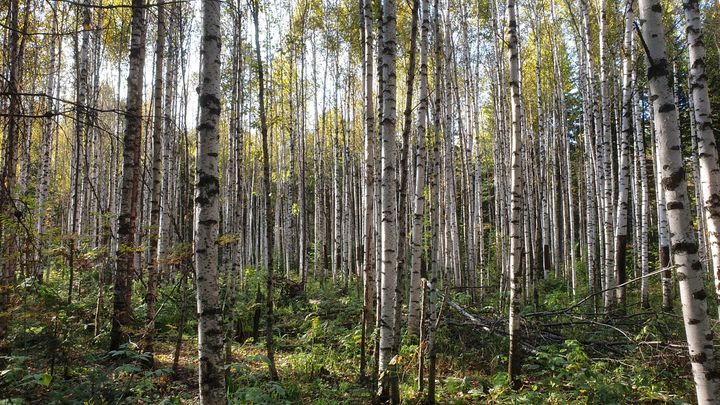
516, 197
388, 228
623, 168
414, 307
706, 148
674, 186
207, 213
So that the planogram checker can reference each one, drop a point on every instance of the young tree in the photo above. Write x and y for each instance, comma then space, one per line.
369, 293
158, 120
516, 197
607, 162
414, 307
269, 219
682, 236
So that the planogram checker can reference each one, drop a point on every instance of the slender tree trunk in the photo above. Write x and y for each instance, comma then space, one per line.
644, 200
158, 119
269, 227
416, 289
130, 188
369, 293
623, 169
389, 221
403, 177
516, 199
607, 161
47, 136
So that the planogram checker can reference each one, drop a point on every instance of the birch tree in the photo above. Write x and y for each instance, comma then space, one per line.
674, 186
207, 212
369, 271
269, 219
130, 187
414, 307
158, 121
388, 191
706, 147
621, 226
516, 197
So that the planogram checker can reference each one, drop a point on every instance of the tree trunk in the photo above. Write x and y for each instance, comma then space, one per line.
269, 227
706, 148
207, 213
674, 185
389, 223
130, 187
607, 164
623, 169
369, 293
158, 119
416, 289
516, 199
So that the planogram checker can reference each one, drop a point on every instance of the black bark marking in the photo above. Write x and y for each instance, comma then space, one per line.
672, 181
667, 108
674, 205
698, 358
657, 69
685, 247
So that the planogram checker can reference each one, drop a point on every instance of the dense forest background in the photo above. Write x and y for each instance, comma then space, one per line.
364, 201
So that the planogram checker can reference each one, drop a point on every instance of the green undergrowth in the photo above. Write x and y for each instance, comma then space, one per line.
51, 354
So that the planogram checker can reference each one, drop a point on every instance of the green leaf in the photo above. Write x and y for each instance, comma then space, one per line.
500, 379
46, 379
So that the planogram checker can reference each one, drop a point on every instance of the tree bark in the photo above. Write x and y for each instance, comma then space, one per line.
388, 190
621, 226
416, 289
674, 187
516, 199
157, 135
269, 219
706, 147
130, 187
207, 212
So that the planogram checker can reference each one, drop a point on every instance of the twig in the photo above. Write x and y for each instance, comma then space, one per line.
582, 301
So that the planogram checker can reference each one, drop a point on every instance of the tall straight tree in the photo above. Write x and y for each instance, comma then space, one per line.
621, 225
47, 134
674, 186
403, 175
706, 147
130, 187
607, 162
414, 304
369, 293
269, 219
207, 212
158, 120
516, 197
388, 192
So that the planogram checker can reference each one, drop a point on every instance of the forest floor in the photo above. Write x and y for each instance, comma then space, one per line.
51, 356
